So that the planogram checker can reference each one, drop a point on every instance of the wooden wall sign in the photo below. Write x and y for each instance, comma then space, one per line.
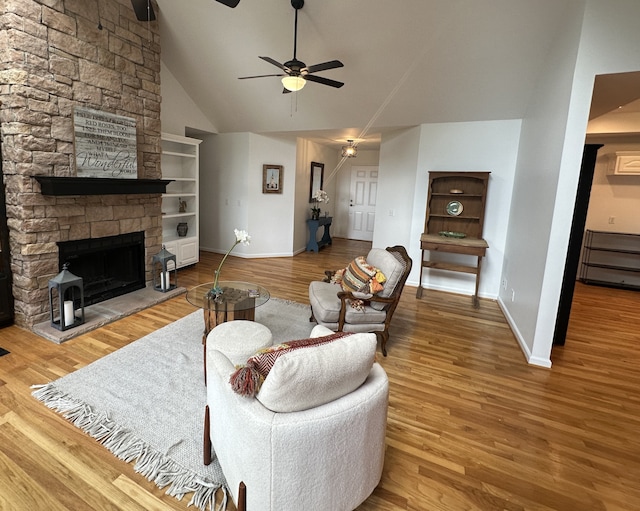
105, 144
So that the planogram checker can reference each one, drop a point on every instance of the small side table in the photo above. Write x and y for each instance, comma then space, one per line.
313, 225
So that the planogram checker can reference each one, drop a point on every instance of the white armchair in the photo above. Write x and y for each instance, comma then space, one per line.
329, 456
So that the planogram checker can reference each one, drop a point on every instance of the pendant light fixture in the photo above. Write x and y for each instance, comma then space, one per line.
349, 151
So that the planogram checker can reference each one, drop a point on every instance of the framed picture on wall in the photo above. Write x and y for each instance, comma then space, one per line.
272, 179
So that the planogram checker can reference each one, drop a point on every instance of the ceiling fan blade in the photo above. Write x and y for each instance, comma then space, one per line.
229, 3
323, 81
275, 63
259, 76
143, 10
332, 64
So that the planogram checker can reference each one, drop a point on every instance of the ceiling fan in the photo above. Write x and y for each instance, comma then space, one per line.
144, 9
297, 73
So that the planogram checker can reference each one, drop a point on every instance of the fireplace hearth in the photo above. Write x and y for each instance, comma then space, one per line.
110, 266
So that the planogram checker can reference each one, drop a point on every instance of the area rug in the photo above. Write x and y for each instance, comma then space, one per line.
145, 402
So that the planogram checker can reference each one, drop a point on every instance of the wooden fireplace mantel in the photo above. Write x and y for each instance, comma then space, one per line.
50, 185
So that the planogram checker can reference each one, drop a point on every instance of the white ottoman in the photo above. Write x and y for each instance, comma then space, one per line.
239, 339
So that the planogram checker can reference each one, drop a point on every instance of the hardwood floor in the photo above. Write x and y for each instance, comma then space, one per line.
471, 426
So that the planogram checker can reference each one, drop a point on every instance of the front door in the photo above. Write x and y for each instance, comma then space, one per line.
362, 204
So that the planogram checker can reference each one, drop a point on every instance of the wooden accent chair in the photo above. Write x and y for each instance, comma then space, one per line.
331, 306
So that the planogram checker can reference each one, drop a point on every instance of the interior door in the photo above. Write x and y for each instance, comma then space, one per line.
362, 203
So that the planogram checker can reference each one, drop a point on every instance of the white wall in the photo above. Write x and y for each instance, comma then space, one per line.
396, 188
614, 196
615, 122
224, 193
231, 195
178, 110
271, 215
534, 195
549, 163
231, 192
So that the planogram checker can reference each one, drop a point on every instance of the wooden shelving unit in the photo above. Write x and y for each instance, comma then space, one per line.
455, 207
611, 259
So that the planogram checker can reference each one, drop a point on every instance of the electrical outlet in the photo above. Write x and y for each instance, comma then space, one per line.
504, 284
513, 295
612, 219
392, 212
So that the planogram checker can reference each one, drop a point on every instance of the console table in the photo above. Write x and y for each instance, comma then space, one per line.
313, 226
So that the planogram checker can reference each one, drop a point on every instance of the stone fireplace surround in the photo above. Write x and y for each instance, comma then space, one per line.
56, 54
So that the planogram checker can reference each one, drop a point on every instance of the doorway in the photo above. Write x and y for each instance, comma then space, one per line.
614, 119
362, 202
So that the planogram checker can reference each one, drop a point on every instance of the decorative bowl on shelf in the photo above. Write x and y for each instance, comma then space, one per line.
452, 234
456, 190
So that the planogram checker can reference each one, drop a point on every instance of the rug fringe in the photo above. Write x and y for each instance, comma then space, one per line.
152, 464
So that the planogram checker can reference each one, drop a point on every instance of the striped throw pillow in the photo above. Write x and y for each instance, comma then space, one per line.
361, 277
357, 275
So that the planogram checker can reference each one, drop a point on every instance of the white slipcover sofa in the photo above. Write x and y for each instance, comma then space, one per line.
325, 457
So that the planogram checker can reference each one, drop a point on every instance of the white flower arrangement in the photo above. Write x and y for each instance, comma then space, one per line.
319, 196
241, 237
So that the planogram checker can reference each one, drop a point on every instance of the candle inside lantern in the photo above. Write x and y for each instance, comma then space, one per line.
69, 317
165, 280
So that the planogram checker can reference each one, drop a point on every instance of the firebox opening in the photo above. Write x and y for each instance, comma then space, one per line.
109, 266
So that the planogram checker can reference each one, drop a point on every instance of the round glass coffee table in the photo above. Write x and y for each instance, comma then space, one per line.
238, 300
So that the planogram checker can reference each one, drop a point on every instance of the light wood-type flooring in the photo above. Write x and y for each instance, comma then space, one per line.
471, 426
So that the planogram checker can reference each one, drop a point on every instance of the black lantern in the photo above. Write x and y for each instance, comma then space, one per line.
164, 278
70, 299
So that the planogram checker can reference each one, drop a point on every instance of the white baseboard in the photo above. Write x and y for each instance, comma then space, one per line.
449, 289
537, 361
249, 256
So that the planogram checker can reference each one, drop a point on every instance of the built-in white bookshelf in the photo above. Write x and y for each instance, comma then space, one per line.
181, 164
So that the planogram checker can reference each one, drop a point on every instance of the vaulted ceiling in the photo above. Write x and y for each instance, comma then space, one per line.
406, 62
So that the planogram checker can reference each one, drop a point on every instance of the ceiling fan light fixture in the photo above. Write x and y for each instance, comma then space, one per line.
349, 151
293, 83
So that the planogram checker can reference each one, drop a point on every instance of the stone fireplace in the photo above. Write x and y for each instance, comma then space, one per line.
56, 55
